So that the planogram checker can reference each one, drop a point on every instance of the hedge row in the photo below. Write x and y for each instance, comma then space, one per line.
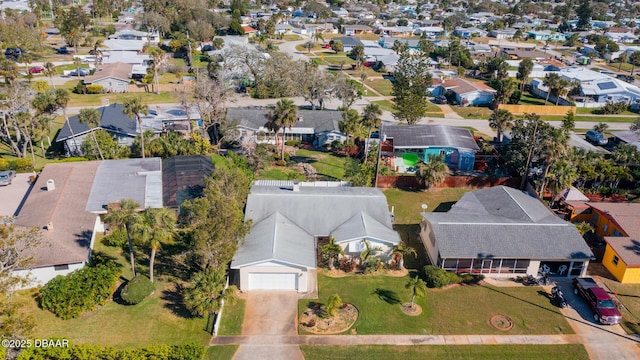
16, 164
80, 291
191, 351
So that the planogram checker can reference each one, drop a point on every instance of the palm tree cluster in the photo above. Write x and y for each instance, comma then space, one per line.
284, 116
557, 86
432, 172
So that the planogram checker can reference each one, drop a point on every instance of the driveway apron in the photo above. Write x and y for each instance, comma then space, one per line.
270, 314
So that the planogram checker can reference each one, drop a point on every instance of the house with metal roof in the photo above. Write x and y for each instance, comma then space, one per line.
114, 78
319, 127
465, 92
626, 137
502, 232
291, 221
408, 144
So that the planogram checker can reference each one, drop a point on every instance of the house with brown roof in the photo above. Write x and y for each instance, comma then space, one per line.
619, 224
465, 92
114, 78
56, 205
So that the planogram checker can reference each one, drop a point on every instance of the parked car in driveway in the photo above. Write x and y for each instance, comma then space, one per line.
440, 99
605, 310
80, 72
6, 177
36, 70
596, 137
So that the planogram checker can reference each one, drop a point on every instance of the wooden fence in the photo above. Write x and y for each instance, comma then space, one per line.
537, 109
474, 182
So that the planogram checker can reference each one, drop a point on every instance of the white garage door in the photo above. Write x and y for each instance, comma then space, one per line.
273, 281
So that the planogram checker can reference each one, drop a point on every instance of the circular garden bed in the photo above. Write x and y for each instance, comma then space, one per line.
315, 320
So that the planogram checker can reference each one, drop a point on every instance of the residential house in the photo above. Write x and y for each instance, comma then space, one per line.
619, 225
466, 92
524, 54
290, 223
626, 137
114, 78
430, 31
340, 12
283, 29
413, 143
128, 34
502, 34
326, 28
248, 30
510, 45
124, 45
56, 206
351, 30
388, 42
466, 33
348, 42
501, 232
320, 127
397, 31
546, 35
184, 178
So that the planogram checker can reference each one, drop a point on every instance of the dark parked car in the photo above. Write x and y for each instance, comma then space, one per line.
440, 99
596, 137
80, 72
6, 177
12, 53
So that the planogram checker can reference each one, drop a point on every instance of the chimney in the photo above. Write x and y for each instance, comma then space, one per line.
296, 185
50, 226
51, 185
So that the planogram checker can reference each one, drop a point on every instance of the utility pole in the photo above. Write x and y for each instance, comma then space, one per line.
526, 166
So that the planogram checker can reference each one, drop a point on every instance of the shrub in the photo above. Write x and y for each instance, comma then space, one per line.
295, 143
281, 163
82, 290
18, 165
190, 351
612, 108
95, 89
137, 290
117, 238
78, 89
438, 277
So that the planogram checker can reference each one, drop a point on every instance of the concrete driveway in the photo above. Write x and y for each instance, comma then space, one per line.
12, 196
270, 316
601, 341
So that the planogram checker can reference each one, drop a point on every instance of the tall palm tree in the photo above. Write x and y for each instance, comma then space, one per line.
285, 114
400, 251
561, 89
432, 172
332, 250
417, 287
77, 62
601, 127
157, 56
133, 107
561, 176
622, 59
371, 119
626, 154
49, 71
550, 80
554, 147
634, 59
156, 227
524, 70
124, 215
91, 117
61, 100
206, 292
318, 36
501, 120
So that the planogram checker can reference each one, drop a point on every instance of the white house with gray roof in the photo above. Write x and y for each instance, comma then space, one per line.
502, 232
290, 221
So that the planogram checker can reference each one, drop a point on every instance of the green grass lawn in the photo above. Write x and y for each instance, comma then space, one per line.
442, 352
385, 105
593, 118
383, 86
407, 203
472, 112
325, 163
68, 67
528, 99
279, 173
458, 310
220, 352
96, 99
337, 59
629, 294
232, 317
590, 111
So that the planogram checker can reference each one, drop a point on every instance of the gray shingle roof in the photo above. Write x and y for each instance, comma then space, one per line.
504, 222
422, 136
255, 118
112, 119
318, 211
137, 179
349, 41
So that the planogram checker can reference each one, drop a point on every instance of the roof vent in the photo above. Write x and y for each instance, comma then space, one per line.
51, 185
300, 118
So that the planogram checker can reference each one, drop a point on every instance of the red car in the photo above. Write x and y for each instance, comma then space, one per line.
36, 70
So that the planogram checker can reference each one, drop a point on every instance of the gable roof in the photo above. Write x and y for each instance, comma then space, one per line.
462, 87
112, 119
69, 239
626, 248
362, 225
627, 215
137, 179
349, 41
256, 118
507, 223
119, 70
417, 136
276, 238
182, 175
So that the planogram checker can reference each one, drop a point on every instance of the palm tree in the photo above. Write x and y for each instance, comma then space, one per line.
285, 114
49, 71
524, 70
550, 81
635, 126
273, 126
157, 55
333, 304
62, 98
561, 88
133, 107
417, 287
400, 251
561, 175
363, 77
601, 127
554, 147
584, 228
124, 214
206, 292
432, 172
332, 250
308, 45
318, 36
371, 118
91, 117
634, 59
501, 120
368, 250
156, 227
622, 59
77, 62
626, 154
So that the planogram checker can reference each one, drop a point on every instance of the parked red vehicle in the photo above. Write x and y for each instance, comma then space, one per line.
36, 70
605, 310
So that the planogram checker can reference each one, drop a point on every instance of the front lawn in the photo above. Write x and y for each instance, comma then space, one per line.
325, 163
456, 311
629, 295
385, 105
232, 318
279, 173
446, 352
472, 112
383, 86
220, 352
